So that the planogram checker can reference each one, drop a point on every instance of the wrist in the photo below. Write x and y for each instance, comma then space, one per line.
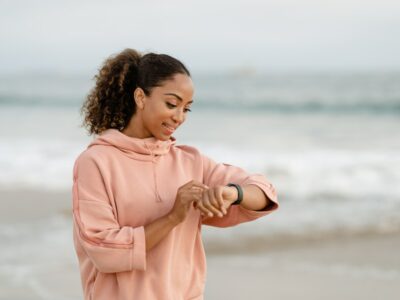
174, 219
232, 194
238, 194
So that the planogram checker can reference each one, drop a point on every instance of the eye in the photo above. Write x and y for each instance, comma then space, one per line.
170, 105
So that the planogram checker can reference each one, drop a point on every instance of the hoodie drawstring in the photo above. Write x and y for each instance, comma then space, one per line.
153, 163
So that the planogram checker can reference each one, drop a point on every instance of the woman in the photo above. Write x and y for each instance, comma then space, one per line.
139, 199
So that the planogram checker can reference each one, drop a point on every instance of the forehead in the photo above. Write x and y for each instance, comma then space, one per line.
179, 84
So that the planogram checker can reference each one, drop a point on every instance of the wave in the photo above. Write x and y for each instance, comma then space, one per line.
281, 94
321, 192
267, 106
307, 107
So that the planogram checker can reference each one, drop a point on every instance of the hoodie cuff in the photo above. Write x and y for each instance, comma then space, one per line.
270, 193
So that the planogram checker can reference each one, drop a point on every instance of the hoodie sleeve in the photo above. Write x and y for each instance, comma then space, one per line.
222, 174
110, 247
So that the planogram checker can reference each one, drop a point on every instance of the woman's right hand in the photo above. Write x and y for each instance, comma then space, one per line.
186, 194
159, 228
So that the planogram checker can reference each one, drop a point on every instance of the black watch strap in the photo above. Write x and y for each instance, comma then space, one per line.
240, 193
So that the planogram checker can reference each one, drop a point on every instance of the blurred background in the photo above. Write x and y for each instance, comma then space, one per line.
306, 92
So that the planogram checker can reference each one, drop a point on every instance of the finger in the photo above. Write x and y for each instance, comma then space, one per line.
203, 210
212, 199
196, 191
227, 204
206, 203
220, 199
198, 187
217, 204
196, 197
195, 183
212, 203
189, 196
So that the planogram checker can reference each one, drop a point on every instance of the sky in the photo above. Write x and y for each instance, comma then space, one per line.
275, 35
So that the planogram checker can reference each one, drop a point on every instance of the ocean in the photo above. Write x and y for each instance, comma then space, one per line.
328, 142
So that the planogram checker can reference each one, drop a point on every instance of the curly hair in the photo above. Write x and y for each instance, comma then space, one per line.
110, 103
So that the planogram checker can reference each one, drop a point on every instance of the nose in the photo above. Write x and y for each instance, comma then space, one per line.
179, 116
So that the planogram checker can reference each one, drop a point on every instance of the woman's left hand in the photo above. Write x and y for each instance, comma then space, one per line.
215, 201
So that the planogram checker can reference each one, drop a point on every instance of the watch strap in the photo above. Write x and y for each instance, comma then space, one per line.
240, 193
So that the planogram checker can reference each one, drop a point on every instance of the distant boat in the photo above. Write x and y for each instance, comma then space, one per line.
243, 71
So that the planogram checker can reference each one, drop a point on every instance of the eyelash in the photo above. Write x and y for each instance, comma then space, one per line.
170, 105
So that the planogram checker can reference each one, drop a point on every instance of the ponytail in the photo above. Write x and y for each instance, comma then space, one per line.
109, 104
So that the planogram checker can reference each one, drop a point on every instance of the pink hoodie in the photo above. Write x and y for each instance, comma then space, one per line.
123, 183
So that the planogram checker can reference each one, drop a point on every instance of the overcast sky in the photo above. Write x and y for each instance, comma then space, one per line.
76, 36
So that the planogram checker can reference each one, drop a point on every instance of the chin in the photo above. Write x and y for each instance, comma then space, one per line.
162, 137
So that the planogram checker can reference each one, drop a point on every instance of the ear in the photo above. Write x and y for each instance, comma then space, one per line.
140, 97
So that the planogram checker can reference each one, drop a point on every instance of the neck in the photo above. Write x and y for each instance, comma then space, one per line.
135, 128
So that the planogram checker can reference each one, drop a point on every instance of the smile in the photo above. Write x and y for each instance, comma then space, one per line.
169, 128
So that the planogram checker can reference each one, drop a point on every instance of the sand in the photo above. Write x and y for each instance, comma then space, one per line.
359, 267
366, 267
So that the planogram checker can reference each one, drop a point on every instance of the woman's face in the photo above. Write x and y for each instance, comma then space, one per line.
166, 108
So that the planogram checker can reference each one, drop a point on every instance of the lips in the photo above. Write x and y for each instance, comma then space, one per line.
169, 128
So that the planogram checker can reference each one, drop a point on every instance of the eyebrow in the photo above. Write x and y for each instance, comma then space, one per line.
179, 98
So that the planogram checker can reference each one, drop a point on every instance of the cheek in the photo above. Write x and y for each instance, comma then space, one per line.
155, 113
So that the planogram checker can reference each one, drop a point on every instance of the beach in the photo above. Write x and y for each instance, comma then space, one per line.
305, 93
38, 260
329, 143
366, 267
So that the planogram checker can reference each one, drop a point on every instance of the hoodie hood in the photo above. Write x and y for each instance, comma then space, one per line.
148, 149
136, 148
